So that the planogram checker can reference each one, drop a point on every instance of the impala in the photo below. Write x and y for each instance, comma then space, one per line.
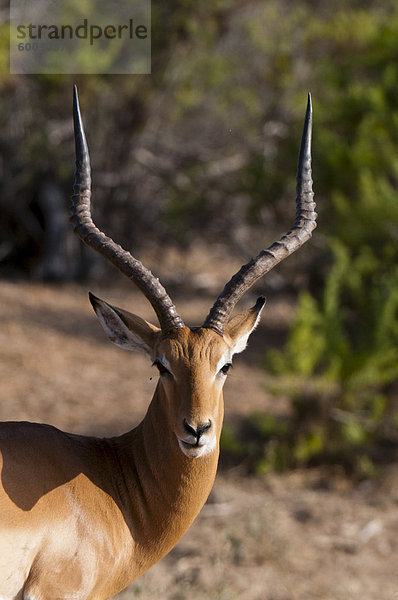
82, 517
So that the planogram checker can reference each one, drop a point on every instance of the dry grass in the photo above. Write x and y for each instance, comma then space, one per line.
301, 536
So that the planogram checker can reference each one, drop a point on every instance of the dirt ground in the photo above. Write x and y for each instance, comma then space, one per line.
300, 536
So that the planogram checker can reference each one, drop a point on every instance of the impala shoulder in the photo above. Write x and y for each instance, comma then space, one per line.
24, 431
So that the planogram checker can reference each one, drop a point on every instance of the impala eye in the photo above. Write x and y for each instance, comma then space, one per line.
161, 368
224, 370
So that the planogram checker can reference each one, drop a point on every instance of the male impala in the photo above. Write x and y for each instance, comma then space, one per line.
82, 517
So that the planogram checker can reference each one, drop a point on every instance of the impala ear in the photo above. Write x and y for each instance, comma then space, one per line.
125, 329
240, 327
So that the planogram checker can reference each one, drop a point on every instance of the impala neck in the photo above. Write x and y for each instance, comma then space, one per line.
162, 490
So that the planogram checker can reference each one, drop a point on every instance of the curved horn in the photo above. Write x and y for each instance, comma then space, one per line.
301, 231
92, 236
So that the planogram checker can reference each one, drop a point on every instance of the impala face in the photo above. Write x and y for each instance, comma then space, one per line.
193, 365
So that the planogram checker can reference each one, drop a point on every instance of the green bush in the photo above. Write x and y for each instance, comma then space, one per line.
341, 357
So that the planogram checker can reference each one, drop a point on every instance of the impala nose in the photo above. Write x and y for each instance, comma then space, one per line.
198, 431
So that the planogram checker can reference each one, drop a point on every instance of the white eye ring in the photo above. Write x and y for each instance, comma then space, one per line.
224, 370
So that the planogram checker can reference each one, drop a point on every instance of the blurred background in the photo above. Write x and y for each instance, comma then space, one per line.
194, 172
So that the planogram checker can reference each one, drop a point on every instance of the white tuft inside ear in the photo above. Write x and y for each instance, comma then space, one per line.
118, 333
241, 342
125, 330
240, 327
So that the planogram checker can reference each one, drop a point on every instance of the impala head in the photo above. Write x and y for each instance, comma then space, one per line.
193, 365
193, 362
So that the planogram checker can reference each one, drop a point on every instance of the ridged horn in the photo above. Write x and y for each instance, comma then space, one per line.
301, 231
90, 234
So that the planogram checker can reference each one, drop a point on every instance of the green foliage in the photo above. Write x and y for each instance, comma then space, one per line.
230, 444
342, 349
